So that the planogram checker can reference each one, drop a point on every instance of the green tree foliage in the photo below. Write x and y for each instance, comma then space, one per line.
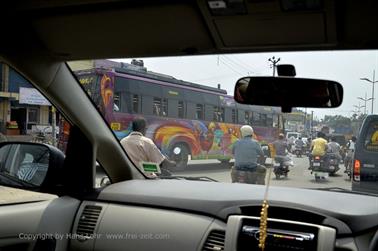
337, 121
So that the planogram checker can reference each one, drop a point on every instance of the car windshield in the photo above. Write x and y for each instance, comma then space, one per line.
178, 114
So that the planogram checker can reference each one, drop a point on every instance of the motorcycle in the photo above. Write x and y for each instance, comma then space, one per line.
333, 163
324, 166
256, 177
281, 166
298, 151
317, 168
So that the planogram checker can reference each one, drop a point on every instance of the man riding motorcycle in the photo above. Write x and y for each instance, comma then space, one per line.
333, 156
282, 158
318, 148
299, 146
247, 151
334, 148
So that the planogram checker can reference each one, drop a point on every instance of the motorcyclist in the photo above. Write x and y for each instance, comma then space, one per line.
291, 142
299, 144
246, 152
281, 147
319, 147
334, 148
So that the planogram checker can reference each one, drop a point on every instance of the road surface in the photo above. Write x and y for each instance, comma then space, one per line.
299, 175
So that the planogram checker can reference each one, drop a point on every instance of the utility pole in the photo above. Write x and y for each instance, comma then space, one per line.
305, 121
312, 123
274, 62
358, 107
53, 122
372, 91
366, 99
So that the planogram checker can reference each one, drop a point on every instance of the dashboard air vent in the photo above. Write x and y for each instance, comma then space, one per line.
88, 220
215, 241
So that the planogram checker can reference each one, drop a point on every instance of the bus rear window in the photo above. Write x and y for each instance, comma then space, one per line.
371, 137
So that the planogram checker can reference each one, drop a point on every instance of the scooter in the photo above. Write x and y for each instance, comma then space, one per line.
281, 166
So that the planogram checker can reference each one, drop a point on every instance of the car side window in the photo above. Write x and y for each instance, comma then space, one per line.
371, 137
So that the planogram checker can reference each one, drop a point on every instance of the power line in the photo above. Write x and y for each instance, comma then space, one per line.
230, 67
237, 64
216, 77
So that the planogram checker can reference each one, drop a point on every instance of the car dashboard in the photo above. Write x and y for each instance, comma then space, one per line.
189, 215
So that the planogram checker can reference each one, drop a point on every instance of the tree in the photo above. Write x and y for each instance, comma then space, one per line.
337, 121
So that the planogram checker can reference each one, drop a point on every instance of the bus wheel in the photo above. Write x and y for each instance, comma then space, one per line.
180, 154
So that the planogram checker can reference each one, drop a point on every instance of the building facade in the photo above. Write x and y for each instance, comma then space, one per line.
20, 114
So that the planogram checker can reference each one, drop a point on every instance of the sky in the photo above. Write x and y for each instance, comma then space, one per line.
345, 67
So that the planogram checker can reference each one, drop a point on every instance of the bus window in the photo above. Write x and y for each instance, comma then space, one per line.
135, 103
181, 110
218, 114
269, 120
199, 111
117, 102
160, 107
164, 107
247, 118
221, 114
234, 116
156, 107
256, 119
215, 114
263, 120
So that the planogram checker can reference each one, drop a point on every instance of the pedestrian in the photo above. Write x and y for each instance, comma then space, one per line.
350, 147
247, 152
142, 149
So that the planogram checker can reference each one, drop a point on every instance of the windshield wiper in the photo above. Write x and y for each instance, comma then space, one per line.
343, 190
178, 177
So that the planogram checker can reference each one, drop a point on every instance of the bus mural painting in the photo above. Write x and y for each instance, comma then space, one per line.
107, 89
200, 122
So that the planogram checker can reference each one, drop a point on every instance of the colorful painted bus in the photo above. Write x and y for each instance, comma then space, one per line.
200, 122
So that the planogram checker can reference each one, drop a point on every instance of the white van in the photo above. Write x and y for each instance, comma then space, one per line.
293, 134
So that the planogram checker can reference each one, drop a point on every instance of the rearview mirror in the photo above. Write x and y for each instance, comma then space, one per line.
30, 166
288, 92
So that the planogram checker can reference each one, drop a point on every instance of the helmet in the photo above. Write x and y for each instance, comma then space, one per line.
246, 130
321, 135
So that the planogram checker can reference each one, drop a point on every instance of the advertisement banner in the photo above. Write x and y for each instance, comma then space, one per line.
32, 96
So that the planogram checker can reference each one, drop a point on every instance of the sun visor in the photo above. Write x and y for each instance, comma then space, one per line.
259, 24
